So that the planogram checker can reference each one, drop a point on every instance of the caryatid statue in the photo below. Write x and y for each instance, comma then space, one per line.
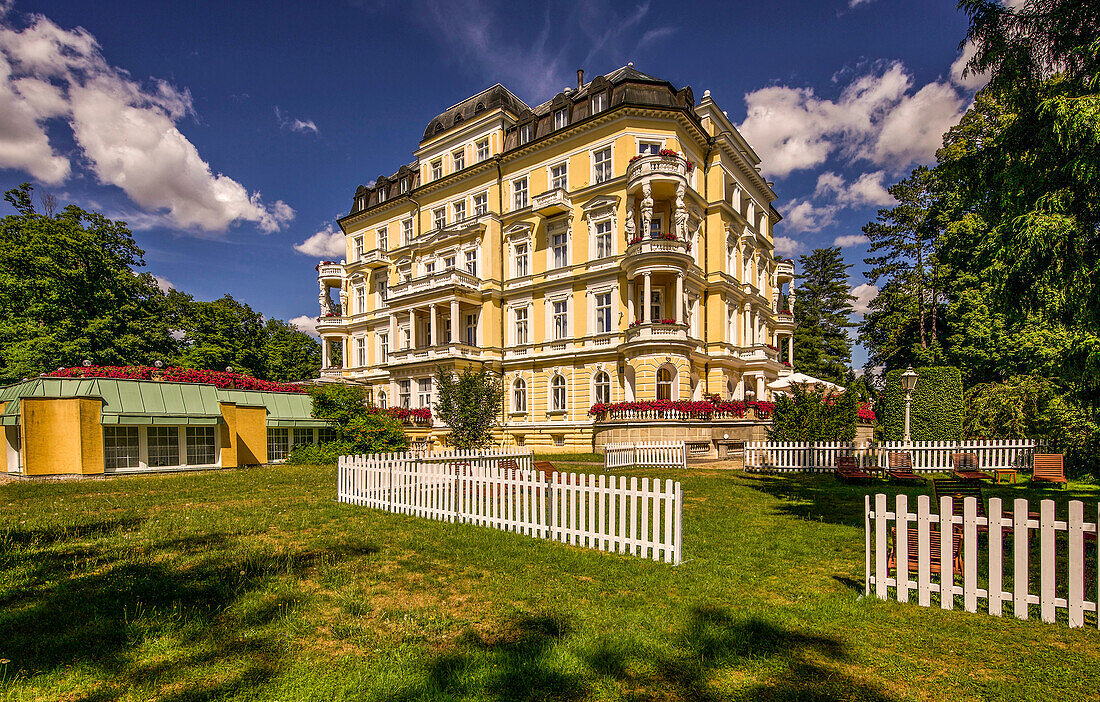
680, 214
647, 206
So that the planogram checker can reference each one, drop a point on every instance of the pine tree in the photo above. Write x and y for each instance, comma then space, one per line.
822, 347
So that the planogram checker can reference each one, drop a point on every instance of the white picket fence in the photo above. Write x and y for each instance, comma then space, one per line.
928, 456
656, 454
609, 513
1062, 567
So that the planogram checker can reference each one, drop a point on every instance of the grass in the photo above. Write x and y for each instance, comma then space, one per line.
255, 585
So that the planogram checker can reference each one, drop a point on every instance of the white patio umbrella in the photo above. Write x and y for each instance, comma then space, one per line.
784, 384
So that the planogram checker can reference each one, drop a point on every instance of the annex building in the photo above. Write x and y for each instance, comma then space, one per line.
613, 244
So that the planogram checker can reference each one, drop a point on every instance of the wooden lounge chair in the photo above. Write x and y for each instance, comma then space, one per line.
848, 471
964, 466
912, 534
545, 469
957, 490
1049, 468
901, 468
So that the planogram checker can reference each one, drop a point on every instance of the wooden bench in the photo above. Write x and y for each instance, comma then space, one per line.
901, 468
964, 466
1049, 468
912, 561
847, 470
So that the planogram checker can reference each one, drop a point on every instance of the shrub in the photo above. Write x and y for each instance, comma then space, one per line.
937, 409
338, 403
375, 433
812, 415
323, 454
468, 403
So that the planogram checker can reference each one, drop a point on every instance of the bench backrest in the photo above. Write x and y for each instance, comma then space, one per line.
846, 463
912, 536
508, 464
964, 461
900, 460
1048, 465
957, 490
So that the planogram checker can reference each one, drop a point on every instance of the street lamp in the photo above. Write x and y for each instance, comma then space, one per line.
908, 384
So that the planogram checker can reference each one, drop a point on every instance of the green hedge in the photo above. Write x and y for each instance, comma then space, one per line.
314, 455
937, 411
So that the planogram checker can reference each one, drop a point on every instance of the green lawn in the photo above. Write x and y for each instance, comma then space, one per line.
255, 585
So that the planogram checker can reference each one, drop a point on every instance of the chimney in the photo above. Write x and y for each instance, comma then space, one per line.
580, 78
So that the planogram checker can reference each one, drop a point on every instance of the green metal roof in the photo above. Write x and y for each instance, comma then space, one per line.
156, 402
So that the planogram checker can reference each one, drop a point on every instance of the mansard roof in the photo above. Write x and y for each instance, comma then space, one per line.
488, 99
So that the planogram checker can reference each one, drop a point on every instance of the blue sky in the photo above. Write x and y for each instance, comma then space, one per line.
228, 133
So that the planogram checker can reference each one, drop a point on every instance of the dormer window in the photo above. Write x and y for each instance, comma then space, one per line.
561, 118
599, 102
404, 185
479, 108
361, 203
381, 193
525, 134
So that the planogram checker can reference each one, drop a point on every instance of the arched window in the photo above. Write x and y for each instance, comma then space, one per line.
602, 386
382, 399
557, 392
664, 384
519, 395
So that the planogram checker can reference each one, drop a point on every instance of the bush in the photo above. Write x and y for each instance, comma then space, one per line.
812, 415
316, 455
937, 409
468, 402
338, 403
375, 433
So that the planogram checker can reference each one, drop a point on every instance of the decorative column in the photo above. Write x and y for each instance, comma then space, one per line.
325, 352
746, 328
630, 302
412, 329
679, 299
433, 330
647, 300
790, 350
394, 345
454, 321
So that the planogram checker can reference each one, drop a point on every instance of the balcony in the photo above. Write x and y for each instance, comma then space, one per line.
375, 258
784, 271
332, 274
656, 332
448, 281
333, 323
656, 169
760, 352
439, 352
657, 255
551, 202
784, 321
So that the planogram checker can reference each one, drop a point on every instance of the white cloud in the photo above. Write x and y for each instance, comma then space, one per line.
867, 189
864, 294
295, 125
306, 324
857, 3
971, 81
787, 245
328, 242
874, 119
126, 131
849, 240
804, 216
163, 283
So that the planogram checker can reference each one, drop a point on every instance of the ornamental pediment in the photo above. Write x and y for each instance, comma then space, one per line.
600, 204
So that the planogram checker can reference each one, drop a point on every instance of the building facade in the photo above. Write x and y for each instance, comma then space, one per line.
612, 244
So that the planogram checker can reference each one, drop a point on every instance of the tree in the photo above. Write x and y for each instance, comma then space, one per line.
220, 333
822, 347
901, 326
69, 290
468, 403
288, 353
813, 415
357, 424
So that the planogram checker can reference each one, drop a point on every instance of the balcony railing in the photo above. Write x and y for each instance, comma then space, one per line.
667, 166
434, 353
375, 258
760, 352
647, 245
330, 271
785, 270
331, 321
681, 410
451, 278
785, 319
551, 202
656, 331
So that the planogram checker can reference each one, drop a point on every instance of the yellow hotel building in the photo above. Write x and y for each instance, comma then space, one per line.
611, 244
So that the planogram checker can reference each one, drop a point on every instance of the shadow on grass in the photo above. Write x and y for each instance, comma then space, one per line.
204, 599
530, 661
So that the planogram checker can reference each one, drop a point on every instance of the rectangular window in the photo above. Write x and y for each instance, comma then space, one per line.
358, 248
561, 118
164, 446
603, 313
521, 260
559, 176
481, 204
120, 448
599, 102
449, 262
406, 337
459, 159
647, 148
303, 437
482, 149
361, 351
429, 268
654, 227
381, 193
519, 194
525, 134
404, 185
424, 392
439, 217
200, 446
561, 319
278, 443
383, 291
383, 348
383, 238
601, 162
471, 330
437, 169
404, 392
603, 239
655, 305
327, 435
460, 210
471, 262
560, 244
521, 325
406, 231
361, 299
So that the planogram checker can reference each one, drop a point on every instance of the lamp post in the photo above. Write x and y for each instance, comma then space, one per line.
908, 384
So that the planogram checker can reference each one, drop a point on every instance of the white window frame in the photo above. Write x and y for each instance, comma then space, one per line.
526, 133
382, 235
559, 401
482, 153
596, 384
521, 325
526, 258
481, 204
404, 392
596, 170
406, 231
559, 319
471, 262
645, 142
361, 351
554, 180
609, 249
471, 329
382, 399
597, 103
459, 209
520, 187
357, 246
437, 169
439, 218
424, 397
360, 299
519, 396
458, 159
559, 251
383, 347
561, 118
610, 308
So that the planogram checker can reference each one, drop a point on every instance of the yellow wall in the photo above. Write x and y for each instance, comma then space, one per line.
61, 436
229, 439
251, 435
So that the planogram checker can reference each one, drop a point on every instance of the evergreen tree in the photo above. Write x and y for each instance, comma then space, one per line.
468, 403
822, 347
